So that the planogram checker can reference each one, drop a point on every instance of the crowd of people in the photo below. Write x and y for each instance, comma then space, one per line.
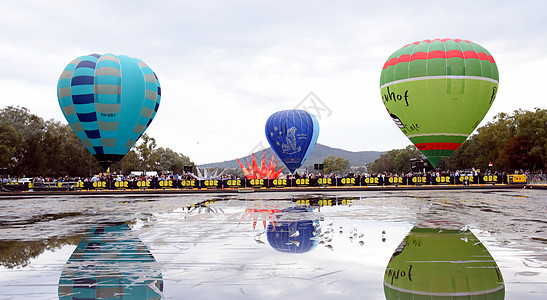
532, 177
537, 176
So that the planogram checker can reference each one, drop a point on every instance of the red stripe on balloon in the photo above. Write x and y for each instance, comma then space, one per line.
419, 55
438, 54
454, 53
484, 56
390, 62
470, 54
403, 58
437, 146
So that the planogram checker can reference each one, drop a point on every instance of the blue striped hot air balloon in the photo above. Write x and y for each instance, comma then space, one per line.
109, 101
292, 135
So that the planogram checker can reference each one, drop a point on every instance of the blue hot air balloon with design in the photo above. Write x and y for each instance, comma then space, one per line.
292, 135
109, 101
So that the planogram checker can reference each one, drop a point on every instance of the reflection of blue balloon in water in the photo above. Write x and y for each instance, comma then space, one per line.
109, 101
292, 135
296, 235
111, 262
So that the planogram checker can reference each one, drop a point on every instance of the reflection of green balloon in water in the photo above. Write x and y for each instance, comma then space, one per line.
442, 264
111, 263
438, 91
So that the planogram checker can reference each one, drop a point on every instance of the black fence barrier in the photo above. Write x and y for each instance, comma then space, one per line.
122, 185
167, 184
51, 186
256, 183
233, 184
326, 182
279, 183
467, 180
492, 179
372, 181
418, 180
14, 187
209, 184
379, 181
349, 182
443, 180
188, 184
395, 181
304, 182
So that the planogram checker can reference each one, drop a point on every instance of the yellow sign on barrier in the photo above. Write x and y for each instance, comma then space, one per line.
516, 178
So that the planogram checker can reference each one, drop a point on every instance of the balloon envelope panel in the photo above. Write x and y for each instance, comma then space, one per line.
438, 91
292, 134
109, 101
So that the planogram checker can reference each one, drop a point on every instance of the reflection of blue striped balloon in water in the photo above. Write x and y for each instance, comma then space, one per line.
111, 262
295, 234
109, 101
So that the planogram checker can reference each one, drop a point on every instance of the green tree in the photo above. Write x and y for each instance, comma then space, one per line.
490, 140
10, 141
337, 165
169, 160
130, 162
533, 127
146, 153
401, 162
515, 154
395, 161
384, 162
30, 156
31, 146
464, 157
496, 142
66, 154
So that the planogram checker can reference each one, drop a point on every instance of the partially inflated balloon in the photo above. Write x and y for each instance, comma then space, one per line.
438, 263
438, 91
109, 101
292, 135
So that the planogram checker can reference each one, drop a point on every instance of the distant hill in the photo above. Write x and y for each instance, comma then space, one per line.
318, 154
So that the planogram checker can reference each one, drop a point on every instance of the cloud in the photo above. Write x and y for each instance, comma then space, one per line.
226, 66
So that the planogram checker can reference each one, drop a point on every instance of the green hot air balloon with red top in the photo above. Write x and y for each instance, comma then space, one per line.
438, 91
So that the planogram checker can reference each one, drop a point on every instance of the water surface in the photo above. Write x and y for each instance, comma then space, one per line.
275, 245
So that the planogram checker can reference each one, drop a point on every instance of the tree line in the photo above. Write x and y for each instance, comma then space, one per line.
31, 146
510, 142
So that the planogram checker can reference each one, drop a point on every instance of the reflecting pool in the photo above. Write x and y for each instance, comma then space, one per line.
386, 244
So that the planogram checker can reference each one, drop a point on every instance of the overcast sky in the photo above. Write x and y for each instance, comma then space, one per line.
226, 66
